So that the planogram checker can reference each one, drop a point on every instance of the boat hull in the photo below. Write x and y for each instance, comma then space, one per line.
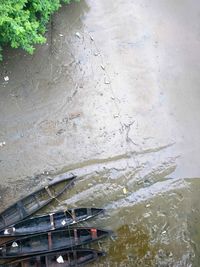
70, 258
51, 241
33, 202
50, 222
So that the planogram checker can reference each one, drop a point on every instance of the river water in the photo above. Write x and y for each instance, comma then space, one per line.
113, 96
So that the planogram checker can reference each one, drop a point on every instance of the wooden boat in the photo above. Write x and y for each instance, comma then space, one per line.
72, 258
50, 241
34, 202
49, 222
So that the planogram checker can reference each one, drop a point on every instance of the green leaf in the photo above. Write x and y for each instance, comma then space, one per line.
23, 22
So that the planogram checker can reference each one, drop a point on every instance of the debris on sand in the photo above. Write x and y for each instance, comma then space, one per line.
74, 115
6, 78
78, 35
106, 81
2, 144
103, 67
124, 190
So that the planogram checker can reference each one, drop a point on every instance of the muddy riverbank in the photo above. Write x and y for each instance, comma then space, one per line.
113, 97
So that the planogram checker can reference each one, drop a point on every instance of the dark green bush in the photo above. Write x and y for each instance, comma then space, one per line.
23, 22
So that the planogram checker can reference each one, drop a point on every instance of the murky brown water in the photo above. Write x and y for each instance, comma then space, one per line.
113, 97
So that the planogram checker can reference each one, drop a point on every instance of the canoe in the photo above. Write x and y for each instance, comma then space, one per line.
72, 258
34, 202
51, 241
52, 221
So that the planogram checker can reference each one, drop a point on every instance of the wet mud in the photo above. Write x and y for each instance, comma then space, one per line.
113, 97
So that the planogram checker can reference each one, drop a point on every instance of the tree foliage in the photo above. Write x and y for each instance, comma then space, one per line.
23, 22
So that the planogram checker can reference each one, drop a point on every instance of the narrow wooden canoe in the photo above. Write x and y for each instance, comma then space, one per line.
72, 258
49, 222
51, 241
34, 202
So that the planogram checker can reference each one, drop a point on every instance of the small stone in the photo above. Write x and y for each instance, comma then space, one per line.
96, 54
78, 35
91, 38
61, 35
6, 78
164, 232
115, 116
102, 66
148, 205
